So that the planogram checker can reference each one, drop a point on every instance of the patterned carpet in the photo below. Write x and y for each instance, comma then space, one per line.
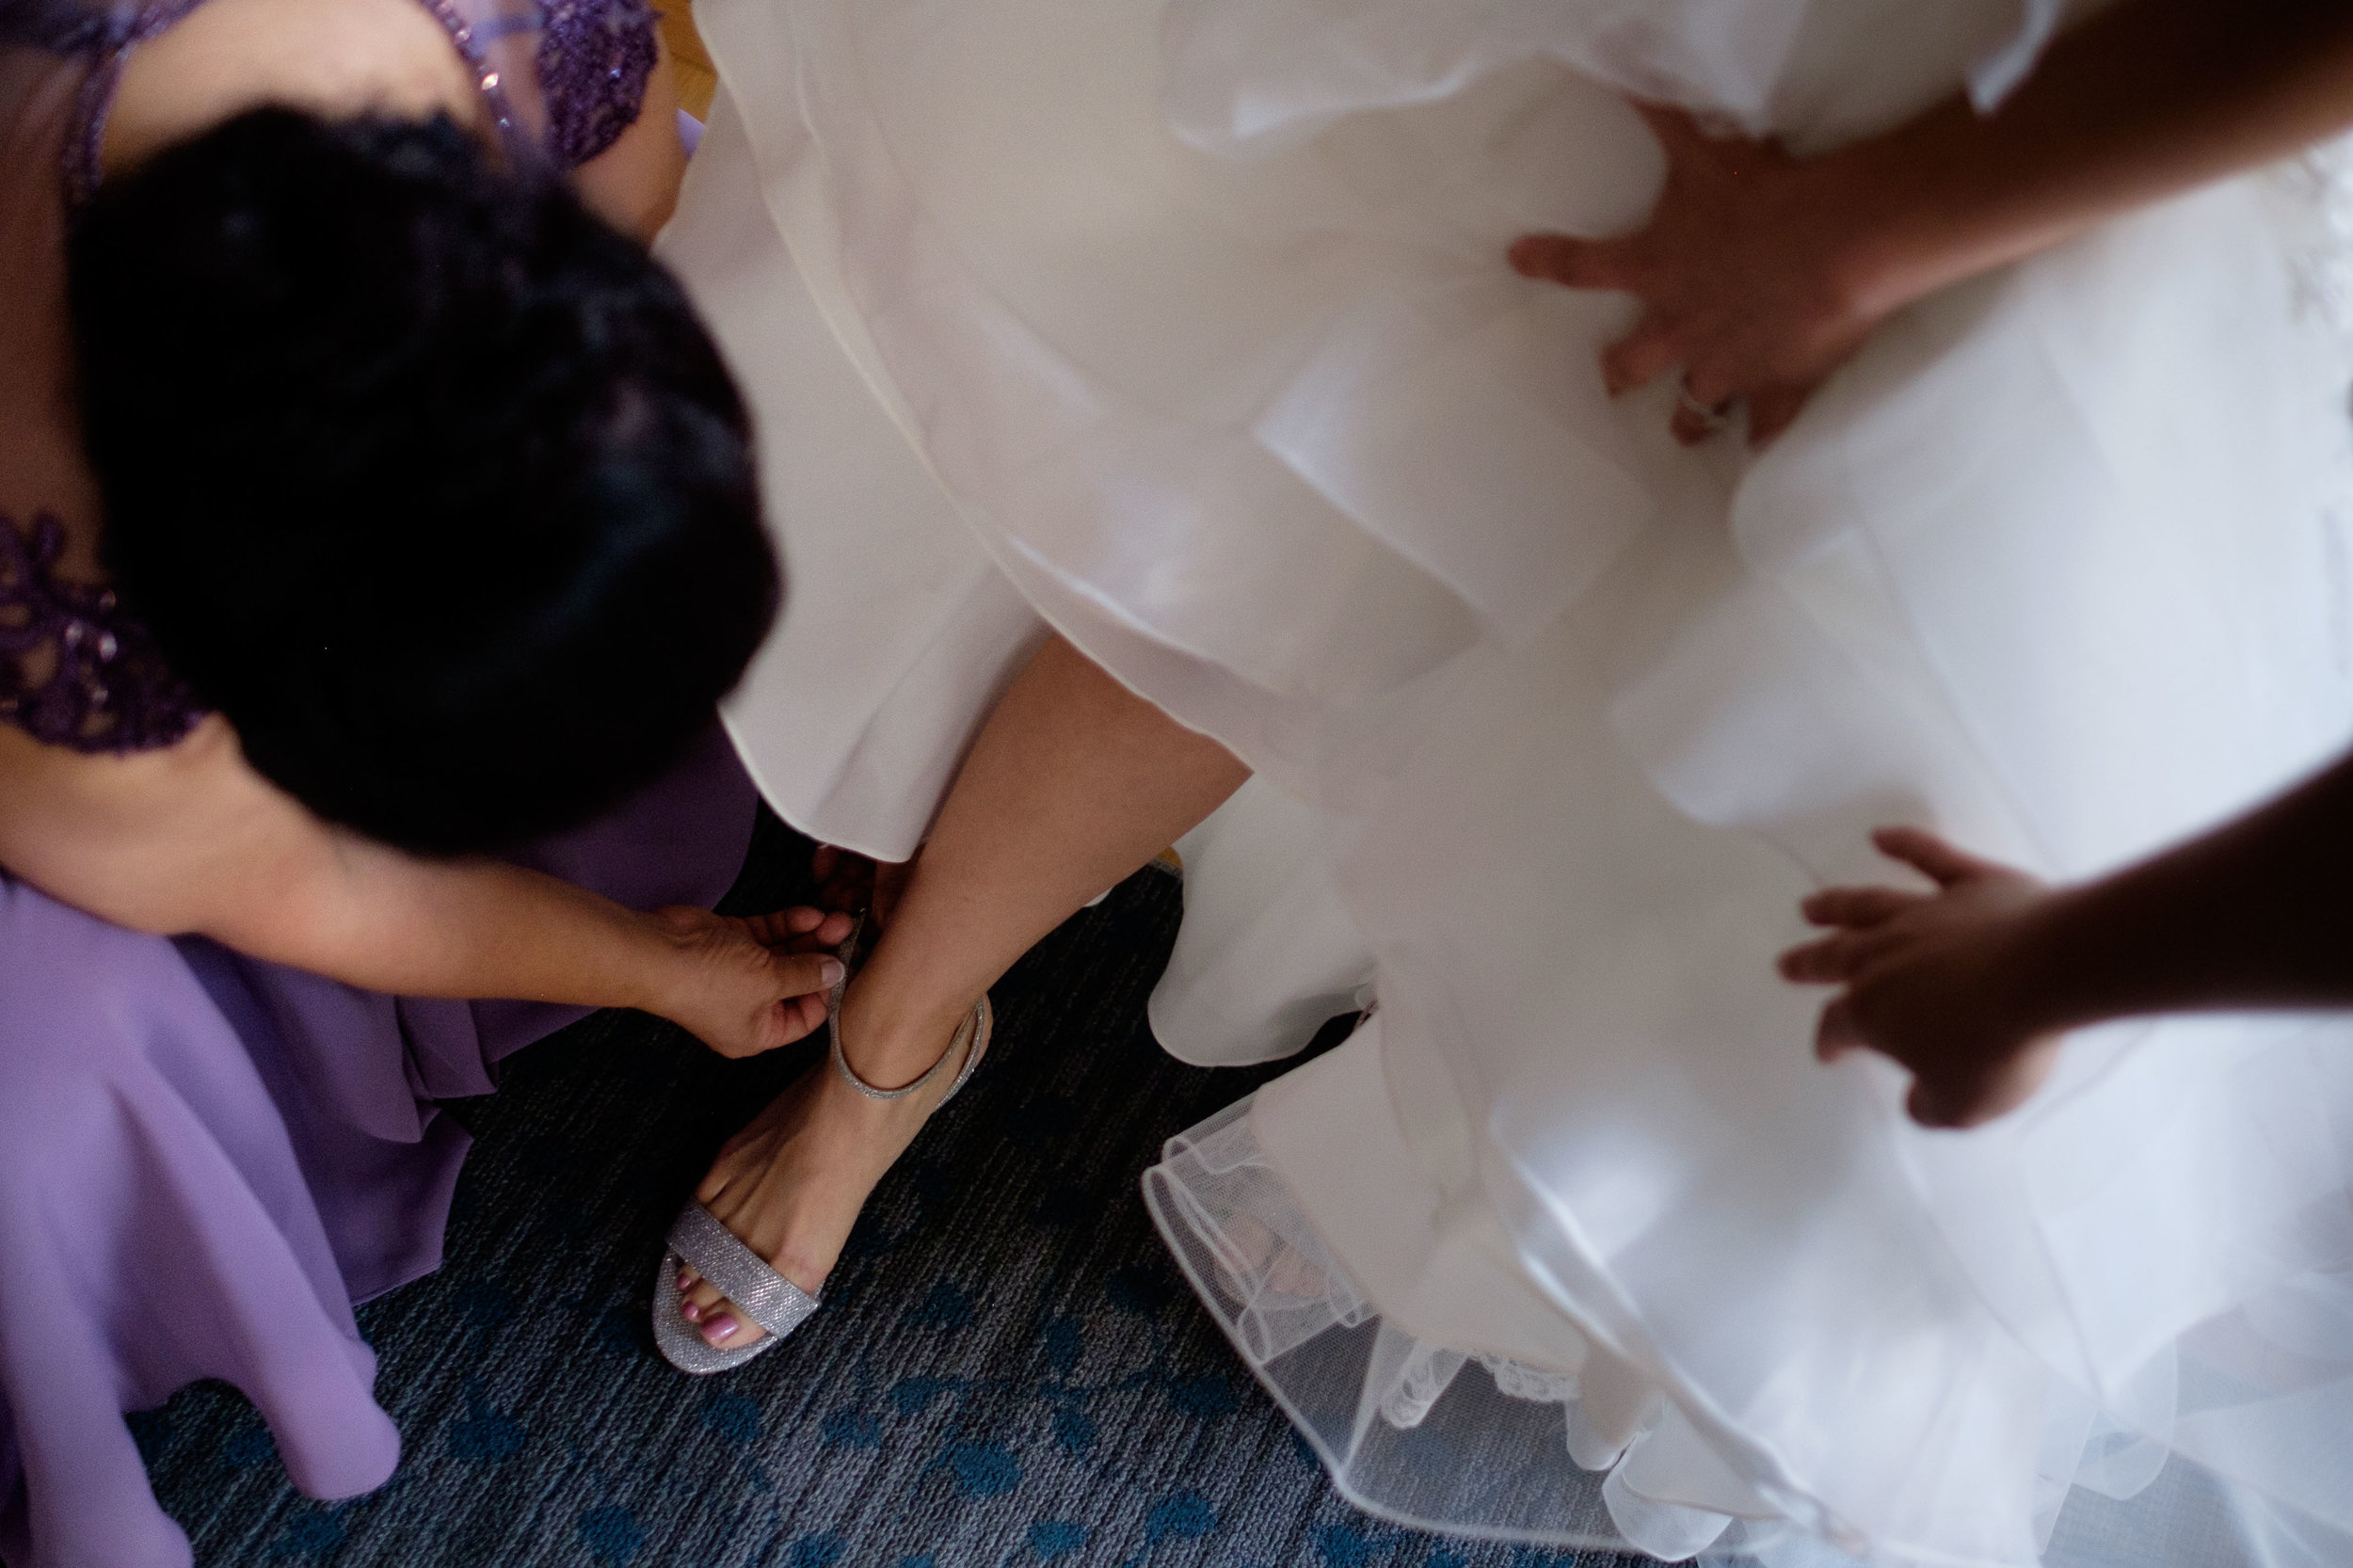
1007, 1369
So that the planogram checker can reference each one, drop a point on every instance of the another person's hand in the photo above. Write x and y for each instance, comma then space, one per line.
852, 881
748, 986
1750, 273
1934, 978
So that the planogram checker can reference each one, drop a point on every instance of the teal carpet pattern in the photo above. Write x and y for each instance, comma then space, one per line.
1008, 1369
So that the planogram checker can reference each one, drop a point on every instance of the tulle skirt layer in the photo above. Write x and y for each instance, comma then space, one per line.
1206, 357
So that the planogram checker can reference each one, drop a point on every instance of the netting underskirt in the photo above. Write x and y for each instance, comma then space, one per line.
1475, 1444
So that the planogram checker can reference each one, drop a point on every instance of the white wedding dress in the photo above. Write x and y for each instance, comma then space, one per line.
1184, 327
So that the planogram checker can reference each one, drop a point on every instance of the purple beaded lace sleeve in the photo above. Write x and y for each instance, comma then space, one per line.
107, 688
594, 60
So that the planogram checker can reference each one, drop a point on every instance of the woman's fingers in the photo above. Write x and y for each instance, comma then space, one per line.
1953, 1101
1836, 1033
798, 1018
1571, 261
804, 979
1855, 907
1810, 965
800, 929
832, 929
775, 928
844, 878
1833, 959
1709, 384
1928, 855
1678, 133
1706, 402
1640, 358
1773, 409
1930, 1106
805, 975
1693, 422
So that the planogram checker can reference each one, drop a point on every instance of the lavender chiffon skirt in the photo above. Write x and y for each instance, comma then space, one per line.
205, 1160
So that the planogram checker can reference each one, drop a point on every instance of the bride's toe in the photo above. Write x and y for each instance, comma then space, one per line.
715, 1317
780, 1200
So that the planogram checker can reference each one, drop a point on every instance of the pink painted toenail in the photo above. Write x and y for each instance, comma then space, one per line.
692, 1313
720, 1329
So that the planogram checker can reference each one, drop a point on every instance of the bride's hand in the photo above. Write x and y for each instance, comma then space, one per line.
1934, 979
1749, 273
744, 986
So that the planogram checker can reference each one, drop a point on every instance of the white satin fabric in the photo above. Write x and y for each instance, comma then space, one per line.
1184, 327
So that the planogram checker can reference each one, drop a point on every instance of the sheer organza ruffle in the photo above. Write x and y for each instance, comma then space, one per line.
1588, 1450
1414, 1432
1246, 78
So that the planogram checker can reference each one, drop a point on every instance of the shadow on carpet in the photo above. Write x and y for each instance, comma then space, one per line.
1008, 1369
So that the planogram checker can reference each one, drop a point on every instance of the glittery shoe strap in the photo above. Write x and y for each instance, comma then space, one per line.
766, 1297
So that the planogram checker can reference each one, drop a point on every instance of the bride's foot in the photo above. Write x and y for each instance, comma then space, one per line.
791, 1185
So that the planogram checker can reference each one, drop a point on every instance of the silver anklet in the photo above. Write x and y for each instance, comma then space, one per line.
961, 1042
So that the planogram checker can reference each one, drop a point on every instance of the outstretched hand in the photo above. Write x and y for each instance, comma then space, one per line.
1932, 979
744, 986
1747, 271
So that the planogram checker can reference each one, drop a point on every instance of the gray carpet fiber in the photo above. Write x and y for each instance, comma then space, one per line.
1007, 1370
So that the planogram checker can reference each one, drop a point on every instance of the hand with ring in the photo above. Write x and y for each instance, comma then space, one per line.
1699, 419
1752, 275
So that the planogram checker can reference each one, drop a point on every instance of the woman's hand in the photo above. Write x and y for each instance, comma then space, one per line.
748, 986
1760, 273
1935, 980
1751, 273
849, 881
189, 839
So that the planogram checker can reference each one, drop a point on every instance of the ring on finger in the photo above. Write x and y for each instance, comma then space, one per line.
1710, 417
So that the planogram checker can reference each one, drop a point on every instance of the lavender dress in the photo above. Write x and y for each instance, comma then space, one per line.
204, 1160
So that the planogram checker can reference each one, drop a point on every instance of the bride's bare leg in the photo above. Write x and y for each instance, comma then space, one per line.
1074, 783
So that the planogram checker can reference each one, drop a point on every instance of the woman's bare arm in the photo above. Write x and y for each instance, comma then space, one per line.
189, 840
634, 184
330, 57
346, 57
1761, 273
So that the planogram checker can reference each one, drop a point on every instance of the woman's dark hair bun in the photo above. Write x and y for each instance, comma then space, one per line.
430, 482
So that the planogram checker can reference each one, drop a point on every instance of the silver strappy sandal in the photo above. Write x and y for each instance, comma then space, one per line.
766, 1297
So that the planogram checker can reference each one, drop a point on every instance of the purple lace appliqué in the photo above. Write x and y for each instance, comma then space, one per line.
594, 61
109, 689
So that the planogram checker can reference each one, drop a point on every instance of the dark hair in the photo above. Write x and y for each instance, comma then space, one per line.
426, 479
